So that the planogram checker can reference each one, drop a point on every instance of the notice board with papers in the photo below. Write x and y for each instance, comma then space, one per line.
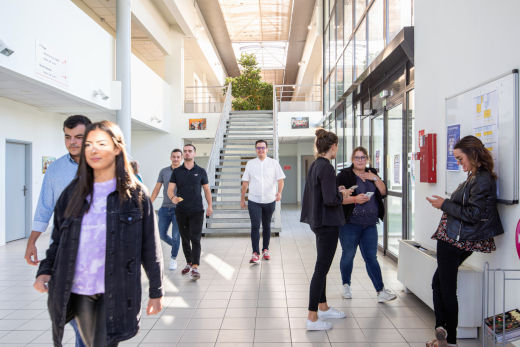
490, 112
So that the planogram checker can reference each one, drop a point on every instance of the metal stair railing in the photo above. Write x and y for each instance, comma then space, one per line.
218, 143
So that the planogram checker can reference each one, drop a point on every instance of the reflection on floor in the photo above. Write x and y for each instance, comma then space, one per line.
236, 304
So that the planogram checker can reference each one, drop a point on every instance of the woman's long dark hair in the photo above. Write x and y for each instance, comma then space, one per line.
477, 153
126, 183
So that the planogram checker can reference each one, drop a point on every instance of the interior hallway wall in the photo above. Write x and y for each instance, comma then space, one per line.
20, 122
458, 45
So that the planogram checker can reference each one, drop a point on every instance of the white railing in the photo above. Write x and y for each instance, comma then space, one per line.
218, 142
203, 99
295, 97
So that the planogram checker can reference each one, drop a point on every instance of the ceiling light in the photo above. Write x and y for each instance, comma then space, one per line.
5, 50
309, 27
301, 63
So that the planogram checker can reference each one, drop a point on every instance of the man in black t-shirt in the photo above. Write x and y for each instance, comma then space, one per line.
189, 178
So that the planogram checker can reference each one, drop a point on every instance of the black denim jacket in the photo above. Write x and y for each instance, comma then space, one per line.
132, 240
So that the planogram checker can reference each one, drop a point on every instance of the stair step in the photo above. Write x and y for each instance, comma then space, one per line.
241, 155
230, 166
248, 135
224, 186
230, 149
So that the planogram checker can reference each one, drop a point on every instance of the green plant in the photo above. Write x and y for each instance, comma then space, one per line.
248, 89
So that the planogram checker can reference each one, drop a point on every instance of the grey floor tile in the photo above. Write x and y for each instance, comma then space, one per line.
239, 323
236, 336
303, 335
272, 336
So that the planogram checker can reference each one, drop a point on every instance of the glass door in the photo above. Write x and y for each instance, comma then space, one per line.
377, 156
394, 200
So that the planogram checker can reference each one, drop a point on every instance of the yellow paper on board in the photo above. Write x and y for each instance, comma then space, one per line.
479, 108
487, 113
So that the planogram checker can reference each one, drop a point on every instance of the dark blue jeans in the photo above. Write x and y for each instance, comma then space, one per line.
260, 213
167, 216
79, 341
352, 235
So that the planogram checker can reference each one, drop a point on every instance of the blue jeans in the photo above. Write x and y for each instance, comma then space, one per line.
79, 341
352, 235
260, 213
167, 216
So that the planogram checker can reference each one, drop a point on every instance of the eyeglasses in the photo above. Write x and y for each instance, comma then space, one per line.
261, 148
364, 157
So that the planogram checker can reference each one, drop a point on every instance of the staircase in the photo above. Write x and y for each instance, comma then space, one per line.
241, 130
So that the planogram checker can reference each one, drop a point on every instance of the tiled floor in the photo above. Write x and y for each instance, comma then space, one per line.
237, 304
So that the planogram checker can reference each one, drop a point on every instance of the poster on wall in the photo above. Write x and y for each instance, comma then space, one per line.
46, 161
485, 123
453, 137
51, 65
299, 122
397, 169
197, 124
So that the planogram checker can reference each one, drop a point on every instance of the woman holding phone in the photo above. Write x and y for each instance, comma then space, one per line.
363, 211
104, 230
468, 224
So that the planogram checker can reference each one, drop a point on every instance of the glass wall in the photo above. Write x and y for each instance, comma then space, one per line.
354, 33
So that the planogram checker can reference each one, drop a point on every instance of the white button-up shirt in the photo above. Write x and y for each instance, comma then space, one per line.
263, 176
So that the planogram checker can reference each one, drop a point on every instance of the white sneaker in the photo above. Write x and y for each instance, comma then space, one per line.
331, 313
318, 325
173, 264
386, 295
347, 293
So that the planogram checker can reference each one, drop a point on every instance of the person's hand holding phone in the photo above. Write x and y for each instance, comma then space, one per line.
361, 199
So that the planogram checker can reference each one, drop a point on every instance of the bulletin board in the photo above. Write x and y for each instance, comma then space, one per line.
490, 112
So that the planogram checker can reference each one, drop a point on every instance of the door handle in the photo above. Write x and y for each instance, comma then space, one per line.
24, 190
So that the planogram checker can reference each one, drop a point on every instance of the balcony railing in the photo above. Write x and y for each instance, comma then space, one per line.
204, 99
294, 98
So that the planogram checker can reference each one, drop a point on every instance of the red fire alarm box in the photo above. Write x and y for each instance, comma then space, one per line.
428, 157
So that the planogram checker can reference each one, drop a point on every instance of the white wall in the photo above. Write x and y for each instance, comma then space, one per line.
43, 130
69, 34
459, 44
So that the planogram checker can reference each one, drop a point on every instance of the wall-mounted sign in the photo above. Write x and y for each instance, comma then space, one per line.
46, 161
197, 124
50, 65
299, 122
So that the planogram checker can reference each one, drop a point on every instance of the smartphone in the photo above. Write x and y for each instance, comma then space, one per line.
353, 187
369, 194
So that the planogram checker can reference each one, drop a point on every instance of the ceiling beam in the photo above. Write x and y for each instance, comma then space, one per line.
214, 19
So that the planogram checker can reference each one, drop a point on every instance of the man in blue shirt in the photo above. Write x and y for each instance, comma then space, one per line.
57, 177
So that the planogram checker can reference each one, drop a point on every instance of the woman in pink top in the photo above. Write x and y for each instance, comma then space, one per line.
104, 229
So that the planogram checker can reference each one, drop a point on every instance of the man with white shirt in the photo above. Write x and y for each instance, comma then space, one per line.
264, 178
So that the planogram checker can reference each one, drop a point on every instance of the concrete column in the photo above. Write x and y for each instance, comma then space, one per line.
123, 58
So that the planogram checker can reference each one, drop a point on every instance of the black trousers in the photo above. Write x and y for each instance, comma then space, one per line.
326, 243
89, 312
444, 285
190, 228
260, 213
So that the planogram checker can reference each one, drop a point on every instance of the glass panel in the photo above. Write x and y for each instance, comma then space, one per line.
411, 164
326, 97
377, 152
349, 130
361, 49
357, 124
327, 52
332, 93
395, 147
395, 222
332, 31
376, 40
340, 124
348, 62
339, 79
326, 11
399, 16
359, 8
339, 27
365, 140
347, 18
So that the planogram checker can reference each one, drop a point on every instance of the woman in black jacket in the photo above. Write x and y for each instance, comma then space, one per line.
104, 230
364, 210
321, 209
469, 222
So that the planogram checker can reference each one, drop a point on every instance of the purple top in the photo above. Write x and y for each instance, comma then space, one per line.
89, 277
